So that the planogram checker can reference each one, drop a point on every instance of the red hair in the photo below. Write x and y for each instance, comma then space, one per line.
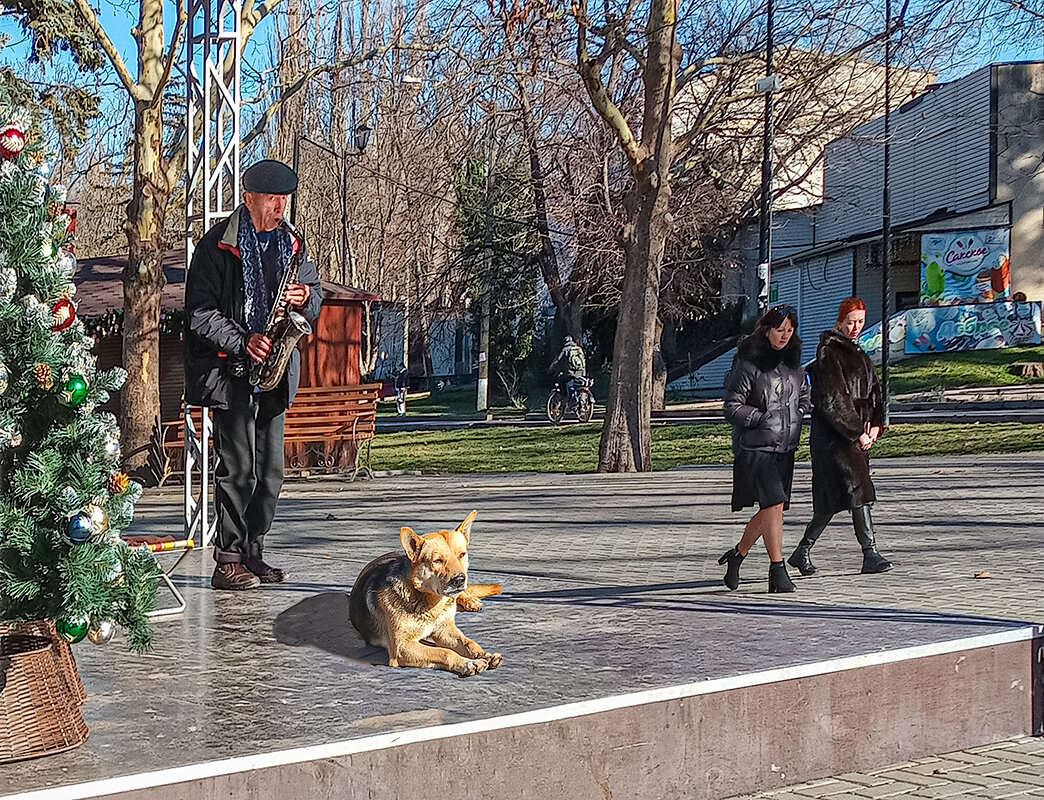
847, 307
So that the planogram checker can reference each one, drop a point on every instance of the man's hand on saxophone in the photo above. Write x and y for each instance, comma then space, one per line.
297, 294
258, 347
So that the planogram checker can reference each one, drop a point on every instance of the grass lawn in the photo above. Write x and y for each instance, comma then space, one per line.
574, 448
971, 368
454, 401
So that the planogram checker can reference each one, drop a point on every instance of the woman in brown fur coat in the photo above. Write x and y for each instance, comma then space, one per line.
847, 416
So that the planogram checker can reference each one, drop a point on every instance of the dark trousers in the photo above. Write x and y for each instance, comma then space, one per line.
248, 438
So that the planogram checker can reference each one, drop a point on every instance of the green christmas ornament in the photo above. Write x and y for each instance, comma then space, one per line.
72, 630
74, 392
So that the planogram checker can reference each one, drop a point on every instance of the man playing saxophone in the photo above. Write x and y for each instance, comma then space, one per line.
231, 290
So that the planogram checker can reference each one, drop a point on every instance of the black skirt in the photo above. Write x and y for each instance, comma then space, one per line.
762, 478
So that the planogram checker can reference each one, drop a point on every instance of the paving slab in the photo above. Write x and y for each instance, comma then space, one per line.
611, 586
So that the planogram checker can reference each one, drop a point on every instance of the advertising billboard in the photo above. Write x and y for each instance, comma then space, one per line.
965, 267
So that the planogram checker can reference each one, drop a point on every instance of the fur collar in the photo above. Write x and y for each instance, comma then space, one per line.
756, 349
832, 337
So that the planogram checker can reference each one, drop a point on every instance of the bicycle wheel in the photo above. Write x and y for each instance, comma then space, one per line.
585, 407
555, 406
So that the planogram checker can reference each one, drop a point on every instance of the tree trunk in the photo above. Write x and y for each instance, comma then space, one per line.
142, 288
659, 367
568, 320
626, 439
143, 276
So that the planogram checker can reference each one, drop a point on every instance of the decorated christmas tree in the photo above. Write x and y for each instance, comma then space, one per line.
63, 498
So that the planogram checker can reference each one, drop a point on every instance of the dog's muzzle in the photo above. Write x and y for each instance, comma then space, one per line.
457, 584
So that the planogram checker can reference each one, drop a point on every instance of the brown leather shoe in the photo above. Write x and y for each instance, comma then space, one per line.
234, 577
255, 563
265, 573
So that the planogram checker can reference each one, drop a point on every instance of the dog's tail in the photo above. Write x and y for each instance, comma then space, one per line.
470, 599
479, 590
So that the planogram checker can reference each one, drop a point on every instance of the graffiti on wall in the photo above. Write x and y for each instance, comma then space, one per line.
972, 327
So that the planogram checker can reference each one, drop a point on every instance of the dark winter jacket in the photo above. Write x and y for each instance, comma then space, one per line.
846, 399
215, 322
766, 396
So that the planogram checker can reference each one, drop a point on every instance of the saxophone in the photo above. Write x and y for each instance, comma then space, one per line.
284, 327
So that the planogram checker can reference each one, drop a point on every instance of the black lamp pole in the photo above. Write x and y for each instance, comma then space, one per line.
886, 211
362, 141
765, 222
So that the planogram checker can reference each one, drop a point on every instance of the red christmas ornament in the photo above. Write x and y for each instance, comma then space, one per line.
12, 140
62, 314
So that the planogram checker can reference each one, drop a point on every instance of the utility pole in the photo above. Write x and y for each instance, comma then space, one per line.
886, 211
482, 398
766, 85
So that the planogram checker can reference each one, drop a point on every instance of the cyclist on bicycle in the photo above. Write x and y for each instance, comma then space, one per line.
570, 368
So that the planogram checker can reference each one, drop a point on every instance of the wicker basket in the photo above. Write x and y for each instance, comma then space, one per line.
38, 715
62, 651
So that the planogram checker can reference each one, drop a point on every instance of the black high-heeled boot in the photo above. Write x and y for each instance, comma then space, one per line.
873, 562
779, 581
733, 558
801, 558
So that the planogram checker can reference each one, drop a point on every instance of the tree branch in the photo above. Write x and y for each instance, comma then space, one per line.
172, 54
135, 89
590, 72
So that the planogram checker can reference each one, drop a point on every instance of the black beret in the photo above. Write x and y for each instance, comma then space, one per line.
270, 177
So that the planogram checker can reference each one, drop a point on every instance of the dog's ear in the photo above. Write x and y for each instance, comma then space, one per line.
465, 526
411, 543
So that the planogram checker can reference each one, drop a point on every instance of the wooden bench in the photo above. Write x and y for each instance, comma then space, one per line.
328, 429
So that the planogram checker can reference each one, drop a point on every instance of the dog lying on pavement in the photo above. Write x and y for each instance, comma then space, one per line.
407, 603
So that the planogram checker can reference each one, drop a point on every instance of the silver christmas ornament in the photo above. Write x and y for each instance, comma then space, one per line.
102, 631
3, 377
112, 448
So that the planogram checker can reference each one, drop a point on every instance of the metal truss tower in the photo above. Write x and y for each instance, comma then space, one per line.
214, 92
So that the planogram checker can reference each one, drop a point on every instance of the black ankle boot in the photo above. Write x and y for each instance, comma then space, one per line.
801, 558
873, 562
733, 559
779, 581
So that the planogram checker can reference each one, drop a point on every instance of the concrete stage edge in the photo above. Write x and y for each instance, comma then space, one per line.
710, 739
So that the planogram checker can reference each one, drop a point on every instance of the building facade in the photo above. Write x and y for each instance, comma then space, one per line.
967, 160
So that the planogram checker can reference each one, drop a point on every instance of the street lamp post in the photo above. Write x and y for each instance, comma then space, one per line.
767, 85
362, 141
886, 212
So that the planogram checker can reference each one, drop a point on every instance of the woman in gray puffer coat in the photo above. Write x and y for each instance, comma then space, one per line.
766, 398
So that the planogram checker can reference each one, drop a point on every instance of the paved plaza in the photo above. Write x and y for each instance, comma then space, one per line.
964, 534
610, 586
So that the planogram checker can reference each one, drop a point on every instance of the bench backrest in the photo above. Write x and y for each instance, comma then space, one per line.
318, 413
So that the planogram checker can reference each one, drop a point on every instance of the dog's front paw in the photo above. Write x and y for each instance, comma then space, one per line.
493, 659
465, 603
472, 666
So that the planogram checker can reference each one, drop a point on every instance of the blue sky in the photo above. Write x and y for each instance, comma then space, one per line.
115, 18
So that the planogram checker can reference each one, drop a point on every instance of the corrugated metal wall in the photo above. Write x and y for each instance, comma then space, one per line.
940, 160
815, 288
